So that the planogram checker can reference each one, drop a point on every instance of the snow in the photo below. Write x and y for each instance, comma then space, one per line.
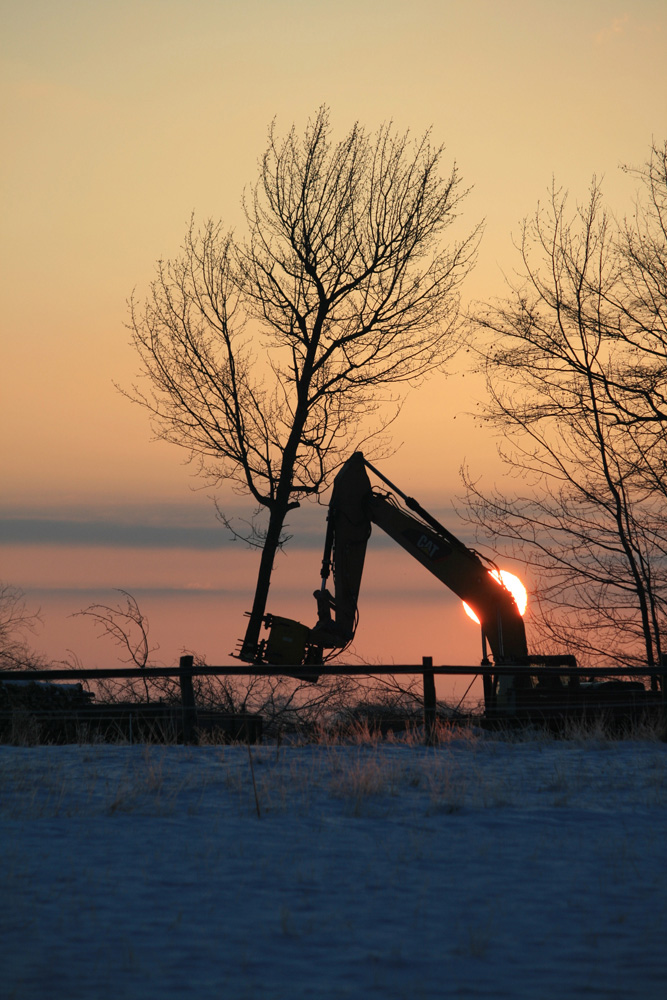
480, 868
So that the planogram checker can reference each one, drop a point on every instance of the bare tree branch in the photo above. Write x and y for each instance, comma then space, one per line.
268, 357
577, 378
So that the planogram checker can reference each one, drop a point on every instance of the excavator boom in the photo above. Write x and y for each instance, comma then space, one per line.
354, 508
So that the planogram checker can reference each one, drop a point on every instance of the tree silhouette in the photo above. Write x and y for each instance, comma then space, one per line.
575, 365
269, 356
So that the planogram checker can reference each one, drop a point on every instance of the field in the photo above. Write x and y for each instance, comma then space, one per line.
484, 867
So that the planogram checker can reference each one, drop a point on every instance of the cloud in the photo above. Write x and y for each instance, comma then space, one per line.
617, 27
167, 526
47, 531
120, 534
108, 595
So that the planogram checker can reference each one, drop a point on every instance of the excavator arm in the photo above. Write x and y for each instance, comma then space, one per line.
354, 507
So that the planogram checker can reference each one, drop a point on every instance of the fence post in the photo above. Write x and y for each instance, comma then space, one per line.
429, 701
188, 699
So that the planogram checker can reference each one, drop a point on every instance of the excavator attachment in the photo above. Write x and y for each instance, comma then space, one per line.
287, 641
289, 644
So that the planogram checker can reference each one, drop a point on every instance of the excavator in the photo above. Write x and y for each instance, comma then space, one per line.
354, 508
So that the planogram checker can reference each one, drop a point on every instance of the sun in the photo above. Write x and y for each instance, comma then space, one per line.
513, 584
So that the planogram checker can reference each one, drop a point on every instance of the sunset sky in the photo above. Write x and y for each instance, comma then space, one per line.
121, 119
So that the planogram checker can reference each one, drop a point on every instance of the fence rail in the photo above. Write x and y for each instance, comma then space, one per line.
187, 669
324, 670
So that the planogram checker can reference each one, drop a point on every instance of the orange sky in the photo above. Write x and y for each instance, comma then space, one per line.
119, 120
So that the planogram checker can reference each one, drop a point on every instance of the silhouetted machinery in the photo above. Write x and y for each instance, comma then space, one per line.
355, 506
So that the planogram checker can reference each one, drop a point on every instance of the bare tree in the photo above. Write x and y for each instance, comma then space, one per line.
269, 356
16, 622
576, 372
128, 627
287, 705
638, 393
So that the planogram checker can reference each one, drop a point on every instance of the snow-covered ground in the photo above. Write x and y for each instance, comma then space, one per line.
481, 868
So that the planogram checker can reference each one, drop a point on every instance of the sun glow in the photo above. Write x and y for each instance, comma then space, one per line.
513, 584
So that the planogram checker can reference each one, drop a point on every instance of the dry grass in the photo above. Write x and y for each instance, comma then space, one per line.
367, 781
599, 729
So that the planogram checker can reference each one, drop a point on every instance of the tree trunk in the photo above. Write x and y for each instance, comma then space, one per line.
251, 639
281, 505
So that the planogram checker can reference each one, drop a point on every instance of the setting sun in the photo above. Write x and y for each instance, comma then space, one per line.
513, 584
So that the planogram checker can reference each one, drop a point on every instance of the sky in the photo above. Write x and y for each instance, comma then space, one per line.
121, 120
